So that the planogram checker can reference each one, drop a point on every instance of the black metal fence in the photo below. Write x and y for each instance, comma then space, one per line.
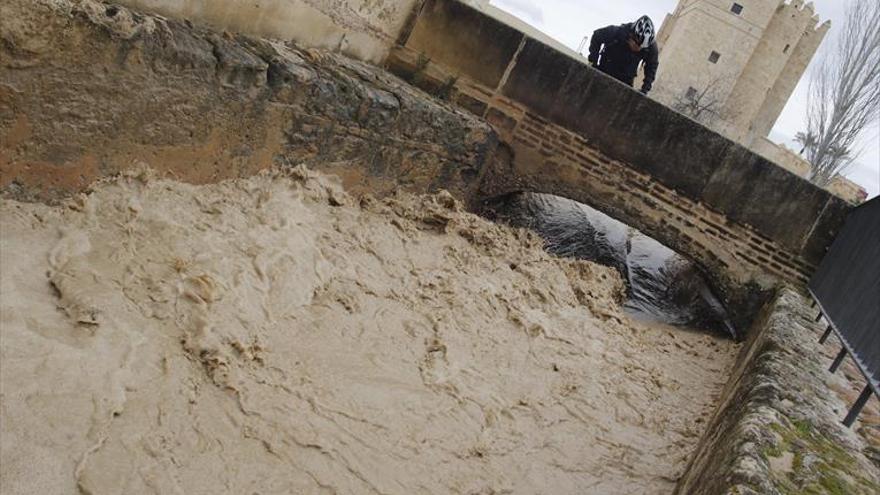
847, 288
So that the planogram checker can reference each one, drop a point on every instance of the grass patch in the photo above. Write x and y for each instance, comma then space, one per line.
834, 471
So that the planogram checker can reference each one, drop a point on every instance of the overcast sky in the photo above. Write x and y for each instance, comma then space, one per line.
570, 20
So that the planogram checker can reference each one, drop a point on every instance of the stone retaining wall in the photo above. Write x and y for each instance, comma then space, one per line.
778, 429
364, 29
88, 89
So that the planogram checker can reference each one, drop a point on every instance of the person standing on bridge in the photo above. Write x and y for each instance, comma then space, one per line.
618, 50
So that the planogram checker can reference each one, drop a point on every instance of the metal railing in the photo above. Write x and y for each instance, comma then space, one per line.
846, 288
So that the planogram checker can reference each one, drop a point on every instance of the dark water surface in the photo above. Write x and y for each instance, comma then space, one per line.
662, 285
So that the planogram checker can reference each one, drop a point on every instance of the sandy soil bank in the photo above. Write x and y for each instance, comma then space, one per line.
275, 335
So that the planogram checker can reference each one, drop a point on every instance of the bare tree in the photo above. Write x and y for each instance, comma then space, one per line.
806, 140
705, 105
844, 98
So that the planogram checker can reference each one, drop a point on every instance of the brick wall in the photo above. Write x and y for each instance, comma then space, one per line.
699, 231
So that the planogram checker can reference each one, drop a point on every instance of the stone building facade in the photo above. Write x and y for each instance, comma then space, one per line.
742, 59
733, 65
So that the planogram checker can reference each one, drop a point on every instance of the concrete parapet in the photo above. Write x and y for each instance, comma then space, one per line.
848, 190
750, 190
781, 155
468, 48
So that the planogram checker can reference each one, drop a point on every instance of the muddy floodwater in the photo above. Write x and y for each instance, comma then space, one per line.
277, 335
662, 286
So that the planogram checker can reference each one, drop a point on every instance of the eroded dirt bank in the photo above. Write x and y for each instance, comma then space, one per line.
275, 335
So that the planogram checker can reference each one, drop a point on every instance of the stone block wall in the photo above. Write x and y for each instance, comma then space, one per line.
89, 89
775, 67
696, 29
763, 50
778, 429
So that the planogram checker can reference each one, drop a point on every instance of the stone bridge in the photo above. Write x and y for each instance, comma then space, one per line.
89, 89
571, 131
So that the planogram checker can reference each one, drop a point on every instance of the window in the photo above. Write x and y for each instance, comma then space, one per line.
785, 50
714, 56
736, 9
691, 93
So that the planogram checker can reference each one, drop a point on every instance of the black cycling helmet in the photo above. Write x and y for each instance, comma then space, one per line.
643, 31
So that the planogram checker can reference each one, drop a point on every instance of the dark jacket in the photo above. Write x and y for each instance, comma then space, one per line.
617, 60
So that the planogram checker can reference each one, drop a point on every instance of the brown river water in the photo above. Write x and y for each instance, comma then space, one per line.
276, 335
662, 285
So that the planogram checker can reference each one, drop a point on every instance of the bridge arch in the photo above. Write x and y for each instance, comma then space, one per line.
570, 131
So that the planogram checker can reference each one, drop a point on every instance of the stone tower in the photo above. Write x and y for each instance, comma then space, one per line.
739, 61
